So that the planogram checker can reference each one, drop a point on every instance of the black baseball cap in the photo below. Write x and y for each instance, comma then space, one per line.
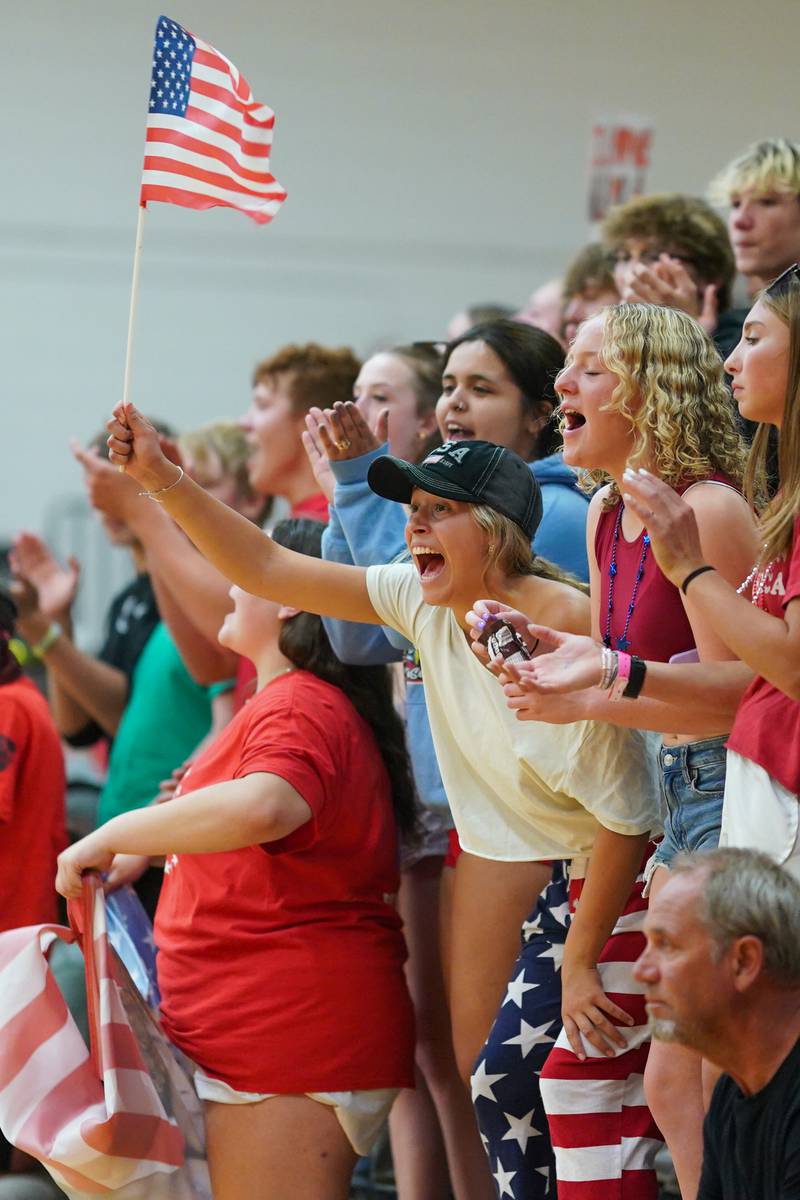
471, 471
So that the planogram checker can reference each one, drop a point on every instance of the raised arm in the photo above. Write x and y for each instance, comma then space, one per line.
240, 551
769, 645
81, 690
171, 558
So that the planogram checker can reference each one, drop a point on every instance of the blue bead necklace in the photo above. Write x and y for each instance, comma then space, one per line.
622, 642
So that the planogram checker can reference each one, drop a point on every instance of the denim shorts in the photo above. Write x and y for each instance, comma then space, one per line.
693, 784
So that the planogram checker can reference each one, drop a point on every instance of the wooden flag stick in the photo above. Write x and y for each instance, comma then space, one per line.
137, 256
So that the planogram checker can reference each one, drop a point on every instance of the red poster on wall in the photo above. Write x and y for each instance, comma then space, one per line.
620, 158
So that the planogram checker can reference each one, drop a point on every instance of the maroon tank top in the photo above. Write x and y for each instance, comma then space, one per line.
658, 627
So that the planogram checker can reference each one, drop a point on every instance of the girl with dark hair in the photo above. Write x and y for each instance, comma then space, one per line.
498, 386
280, 952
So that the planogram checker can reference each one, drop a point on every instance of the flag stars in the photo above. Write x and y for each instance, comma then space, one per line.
503, 1179
517, 989
482, 1083
529, 1036
520, 1129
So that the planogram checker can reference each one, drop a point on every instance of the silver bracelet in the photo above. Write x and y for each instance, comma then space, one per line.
160, 491
610, 669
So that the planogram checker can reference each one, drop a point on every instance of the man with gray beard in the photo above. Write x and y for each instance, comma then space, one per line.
721, 975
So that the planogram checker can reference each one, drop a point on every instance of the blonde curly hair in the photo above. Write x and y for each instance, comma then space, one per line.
672, 390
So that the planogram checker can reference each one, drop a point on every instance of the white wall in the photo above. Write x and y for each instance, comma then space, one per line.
435, 154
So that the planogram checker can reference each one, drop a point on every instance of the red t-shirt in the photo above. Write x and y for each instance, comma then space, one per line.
766, 728
31, 806
281, 966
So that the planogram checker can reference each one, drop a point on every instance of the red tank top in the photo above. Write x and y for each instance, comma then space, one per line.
658, 627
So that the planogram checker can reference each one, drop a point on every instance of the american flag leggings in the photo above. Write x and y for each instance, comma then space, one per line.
505, 1084
543, 1115
603, 1134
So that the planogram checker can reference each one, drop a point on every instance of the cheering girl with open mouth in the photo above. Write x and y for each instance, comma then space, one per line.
519, 792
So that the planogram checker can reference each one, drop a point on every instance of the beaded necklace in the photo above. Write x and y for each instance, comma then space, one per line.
622, 642
761, 578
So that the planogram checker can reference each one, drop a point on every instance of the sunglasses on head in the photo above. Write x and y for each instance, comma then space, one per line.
782, 282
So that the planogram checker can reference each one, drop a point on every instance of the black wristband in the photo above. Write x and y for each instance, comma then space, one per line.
693, 575
636, 678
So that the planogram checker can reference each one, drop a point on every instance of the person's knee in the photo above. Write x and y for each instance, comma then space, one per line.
672, 1084
435, 1056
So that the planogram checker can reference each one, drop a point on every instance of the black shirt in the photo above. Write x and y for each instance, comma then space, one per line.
132, 617
752, 1143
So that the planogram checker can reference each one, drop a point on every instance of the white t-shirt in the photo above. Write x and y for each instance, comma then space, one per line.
519, 790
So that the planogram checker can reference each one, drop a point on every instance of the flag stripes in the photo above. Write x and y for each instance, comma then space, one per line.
208, 140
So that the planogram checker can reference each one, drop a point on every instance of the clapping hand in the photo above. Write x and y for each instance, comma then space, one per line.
669, 521
55, 585
336, 435
667, 282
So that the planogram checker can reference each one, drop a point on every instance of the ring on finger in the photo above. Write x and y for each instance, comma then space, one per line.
343, 444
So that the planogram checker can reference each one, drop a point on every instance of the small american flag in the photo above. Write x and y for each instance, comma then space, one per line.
208, 140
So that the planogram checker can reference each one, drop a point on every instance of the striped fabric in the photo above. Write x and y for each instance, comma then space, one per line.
208, 140
100, 1129
603, 1134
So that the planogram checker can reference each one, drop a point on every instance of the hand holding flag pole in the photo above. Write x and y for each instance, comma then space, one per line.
207, 142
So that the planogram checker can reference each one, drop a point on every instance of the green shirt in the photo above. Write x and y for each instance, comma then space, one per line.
166, 716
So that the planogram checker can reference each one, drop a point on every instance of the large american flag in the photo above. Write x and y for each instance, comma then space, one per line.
121, 1121
208, 140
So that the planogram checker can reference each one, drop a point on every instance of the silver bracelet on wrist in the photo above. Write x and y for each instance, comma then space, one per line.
160, 491
609, 669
